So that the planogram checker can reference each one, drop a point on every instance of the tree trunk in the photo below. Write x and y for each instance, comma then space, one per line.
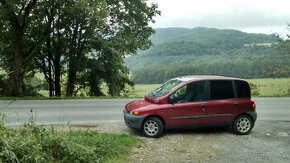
50, 58
18, 71
20, 58
71, 80
57, 75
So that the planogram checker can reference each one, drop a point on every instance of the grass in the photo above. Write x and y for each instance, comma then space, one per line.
272, 87
267, 87
142, 89
38, 144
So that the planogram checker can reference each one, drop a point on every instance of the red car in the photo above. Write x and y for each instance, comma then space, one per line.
194, 100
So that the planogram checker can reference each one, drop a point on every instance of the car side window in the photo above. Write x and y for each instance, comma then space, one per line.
221, 89
193, 92
178, 95
243, 89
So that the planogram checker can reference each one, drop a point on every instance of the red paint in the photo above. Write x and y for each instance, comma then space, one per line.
166, 111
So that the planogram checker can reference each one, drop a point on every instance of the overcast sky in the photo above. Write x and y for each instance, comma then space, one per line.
253, 16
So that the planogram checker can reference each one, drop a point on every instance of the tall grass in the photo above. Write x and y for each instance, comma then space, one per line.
33, 144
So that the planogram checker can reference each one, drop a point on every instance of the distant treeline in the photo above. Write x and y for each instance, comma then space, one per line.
197, 51
241, 69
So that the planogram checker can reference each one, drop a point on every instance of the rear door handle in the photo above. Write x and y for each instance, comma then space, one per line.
236, 104
203, 105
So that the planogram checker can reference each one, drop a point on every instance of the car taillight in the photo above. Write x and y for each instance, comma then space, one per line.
254, 105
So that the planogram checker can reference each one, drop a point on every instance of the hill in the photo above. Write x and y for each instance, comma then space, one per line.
181, 51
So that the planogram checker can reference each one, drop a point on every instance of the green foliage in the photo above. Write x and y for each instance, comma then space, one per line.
239, 68
283, 47
38, 144
181, 51
23, 28
272, 87
84, 41
254, 89
32, 89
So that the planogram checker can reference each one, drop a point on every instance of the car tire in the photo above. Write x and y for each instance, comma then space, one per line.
243, 124
153, 127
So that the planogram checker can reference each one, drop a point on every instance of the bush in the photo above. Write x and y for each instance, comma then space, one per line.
38, 144
254, 89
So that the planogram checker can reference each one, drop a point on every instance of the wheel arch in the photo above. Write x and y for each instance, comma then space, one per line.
157, 116
244, 114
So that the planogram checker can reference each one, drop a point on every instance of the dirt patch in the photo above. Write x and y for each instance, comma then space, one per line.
268, 141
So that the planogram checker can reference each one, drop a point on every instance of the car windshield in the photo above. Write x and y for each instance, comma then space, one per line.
165, 88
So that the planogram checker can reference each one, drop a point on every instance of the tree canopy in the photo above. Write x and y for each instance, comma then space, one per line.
78, 44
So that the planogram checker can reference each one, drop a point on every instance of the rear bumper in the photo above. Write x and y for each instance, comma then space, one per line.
133, 121
253, 114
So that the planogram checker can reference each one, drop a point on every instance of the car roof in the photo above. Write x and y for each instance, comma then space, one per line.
204, 77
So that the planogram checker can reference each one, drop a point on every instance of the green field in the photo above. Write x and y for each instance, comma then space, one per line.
268, 87
272, 87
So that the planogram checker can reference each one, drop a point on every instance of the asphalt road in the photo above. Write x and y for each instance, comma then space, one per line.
89, 111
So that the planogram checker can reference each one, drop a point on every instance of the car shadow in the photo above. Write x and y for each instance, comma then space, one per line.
189, 131
199, 130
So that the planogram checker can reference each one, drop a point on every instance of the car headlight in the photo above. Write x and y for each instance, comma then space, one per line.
134, 113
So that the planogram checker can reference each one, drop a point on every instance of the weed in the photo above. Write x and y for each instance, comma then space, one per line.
38, 144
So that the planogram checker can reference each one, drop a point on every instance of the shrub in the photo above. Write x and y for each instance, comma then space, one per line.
38, 144
254, 89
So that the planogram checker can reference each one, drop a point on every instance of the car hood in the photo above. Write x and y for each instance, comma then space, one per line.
137, 104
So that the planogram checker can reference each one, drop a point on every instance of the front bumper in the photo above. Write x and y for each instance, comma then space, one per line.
133, 121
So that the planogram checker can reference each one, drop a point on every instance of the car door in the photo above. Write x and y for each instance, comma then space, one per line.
243, 101
189, 105
222, 102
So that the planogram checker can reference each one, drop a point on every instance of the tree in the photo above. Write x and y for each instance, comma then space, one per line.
86, 39
84, 25
22, 31
123, 31
283, 47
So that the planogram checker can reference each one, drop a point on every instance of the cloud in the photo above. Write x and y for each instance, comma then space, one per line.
237, 14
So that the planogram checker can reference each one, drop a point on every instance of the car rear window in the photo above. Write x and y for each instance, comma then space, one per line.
243, 89
221, 89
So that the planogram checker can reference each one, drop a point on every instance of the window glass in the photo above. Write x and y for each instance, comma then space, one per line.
243, 89
165, 88
192, 92
221, 89
181, 91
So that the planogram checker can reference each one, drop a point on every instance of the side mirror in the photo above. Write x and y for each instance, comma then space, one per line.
171, 98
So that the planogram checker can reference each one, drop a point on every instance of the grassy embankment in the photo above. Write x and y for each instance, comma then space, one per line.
39, 144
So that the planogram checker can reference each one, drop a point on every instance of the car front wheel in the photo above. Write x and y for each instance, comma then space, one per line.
153, 127
243, 125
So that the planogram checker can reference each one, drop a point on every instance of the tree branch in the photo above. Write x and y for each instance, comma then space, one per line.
3, 2
27, 11
38, 43
12, 16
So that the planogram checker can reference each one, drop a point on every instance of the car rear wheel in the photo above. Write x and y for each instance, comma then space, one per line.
153, 127
243, 125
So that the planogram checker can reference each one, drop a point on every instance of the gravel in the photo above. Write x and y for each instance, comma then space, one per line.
269, 141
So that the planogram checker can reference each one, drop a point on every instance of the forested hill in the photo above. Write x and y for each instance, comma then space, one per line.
181, 51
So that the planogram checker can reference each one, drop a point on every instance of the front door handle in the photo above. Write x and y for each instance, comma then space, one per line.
203, 105
236, 104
